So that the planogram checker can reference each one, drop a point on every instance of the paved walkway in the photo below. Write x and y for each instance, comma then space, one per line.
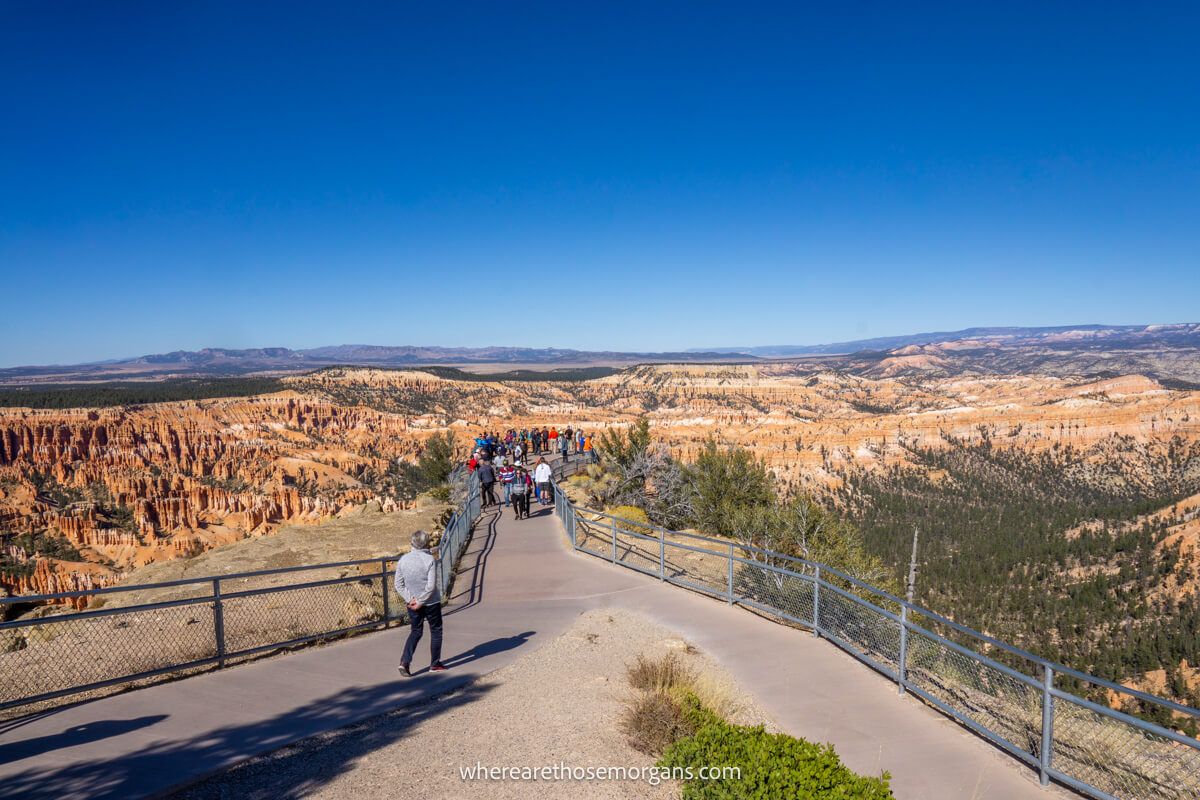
520, 586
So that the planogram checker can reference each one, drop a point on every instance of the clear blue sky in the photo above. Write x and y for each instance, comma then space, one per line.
645, 176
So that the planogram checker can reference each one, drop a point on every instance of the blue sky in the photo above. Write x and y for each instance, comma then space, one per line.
640, 176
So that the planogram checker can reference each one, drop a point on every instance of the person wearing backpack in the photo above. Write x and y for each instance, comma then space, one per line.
520, 494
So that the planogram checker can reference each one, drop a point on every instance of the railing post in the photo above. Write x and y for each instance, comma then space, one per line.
817, 601
386, 600
612, 523
729, 598
1047, 724
662, 554
219, 622
901, 666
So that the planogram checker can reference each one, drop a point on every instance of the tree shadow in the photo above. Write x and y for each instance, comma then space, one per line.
488, 648
76, 735
337, 735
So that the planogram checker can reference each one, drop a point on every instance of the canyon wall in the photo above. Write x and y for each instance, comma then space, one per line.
128, 486
121, 487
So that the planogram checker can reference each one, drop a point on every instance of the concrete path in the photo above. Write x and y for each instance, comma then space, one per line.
520, 586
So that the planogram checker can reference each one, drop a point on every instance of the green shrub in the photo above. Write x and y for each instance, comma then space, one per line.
440, 493
726, 480
772, 764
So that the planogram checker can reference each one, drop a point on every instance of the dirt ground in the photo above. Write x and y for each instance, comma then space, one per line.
360, 533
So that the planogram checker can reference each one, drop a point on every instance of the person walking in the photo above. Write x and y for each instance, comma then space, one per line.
507, 473
570, 434
542, 475
416, 582
564, 446
520, 494
487, 482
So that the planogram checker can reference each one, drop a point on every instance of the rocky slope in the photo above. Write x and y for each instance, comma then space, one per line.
126, 487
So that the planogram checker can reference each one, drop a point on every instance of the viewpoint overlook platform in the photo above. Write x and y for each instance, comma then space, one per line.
519, 585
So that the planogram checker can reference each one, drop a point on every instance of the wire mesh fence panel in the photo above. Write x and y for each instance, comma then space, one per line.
70, 652
988, 696
706, 569
864, 628
593, 536
267, 619
1121, 759
395, 605
637, 552
787, 593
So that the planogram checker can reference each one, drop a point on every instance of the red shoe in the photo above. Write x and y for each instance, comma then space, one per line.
438, 668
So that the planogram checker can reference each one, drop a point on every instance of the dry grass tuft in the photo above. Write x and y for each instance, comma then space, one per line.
653, 721
663, 674
718, 695
654, 717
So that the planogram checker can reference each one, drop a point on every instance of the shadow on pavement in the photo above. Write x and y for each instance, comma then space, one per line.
79, 734
468, 581
289, 772
488, 648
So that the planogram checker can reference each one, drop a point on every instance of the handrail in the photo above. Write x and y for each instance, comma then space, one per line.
21, 599
913, 607
1063, 752
47, 679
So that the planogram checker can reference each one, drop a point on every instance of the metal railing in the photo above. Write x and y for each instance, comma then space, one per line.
203, 623
1007, 695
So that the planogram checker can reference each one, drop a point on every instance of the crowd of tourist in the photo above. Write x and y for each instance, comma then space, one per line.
504, 458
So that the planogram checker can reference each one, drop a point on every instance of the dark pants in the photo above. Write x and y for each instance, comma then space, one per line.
489, 494
521, 503
416, 622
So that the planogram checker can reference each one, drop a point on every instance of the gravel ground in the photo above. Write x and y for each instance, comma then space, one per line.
559, 704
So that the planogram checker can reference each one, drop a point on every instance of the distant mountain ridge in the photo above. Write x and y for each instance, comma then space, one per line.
1165, 351
216, 361
884, 343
